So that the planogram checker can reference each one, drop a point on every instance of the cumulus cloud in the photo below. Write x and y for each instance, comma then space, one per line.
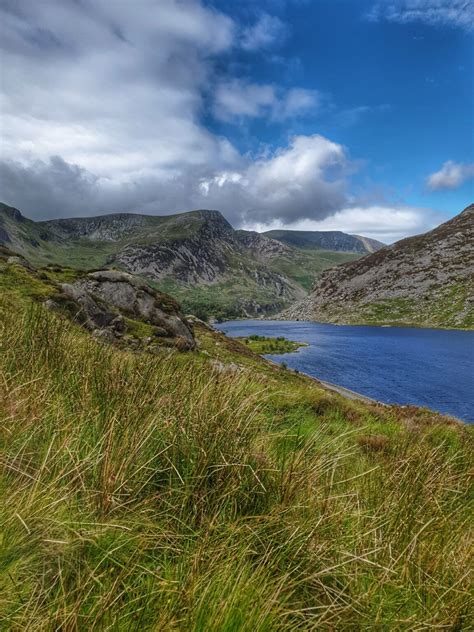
239, 98
115, 90
456, 13
307, 179
267, 30
451, 176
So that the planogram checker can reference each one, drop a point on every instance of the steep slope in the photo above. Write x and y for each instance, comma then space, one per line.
424, 280
214, 491
326, 240
198, 257
114, 306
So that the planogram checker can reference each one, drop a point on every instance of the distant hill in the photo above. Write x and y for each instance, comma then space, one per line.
425, 280
326, 240
212, 269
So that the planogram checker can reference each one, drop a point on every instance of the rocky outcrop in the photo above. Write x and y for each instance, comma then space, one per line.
264, 247
106, 298
197, 256
213, 252
425, 280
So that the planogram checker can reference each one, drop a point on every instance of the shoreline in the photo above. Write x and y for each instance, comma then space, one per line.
329, 386
393, 325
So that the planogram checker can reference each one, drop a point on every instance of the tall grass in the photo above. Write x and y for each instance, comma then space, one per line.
152, 493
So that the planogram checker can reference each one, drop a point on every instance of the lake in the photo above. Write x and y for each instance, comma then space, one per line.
395, 365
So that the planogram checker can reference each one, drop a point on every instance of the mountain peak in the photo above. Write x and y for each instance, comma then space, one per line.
11, 212
422, 280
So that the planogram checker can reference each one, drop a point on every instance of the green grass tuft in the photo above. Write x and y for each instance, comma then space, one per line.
157, 493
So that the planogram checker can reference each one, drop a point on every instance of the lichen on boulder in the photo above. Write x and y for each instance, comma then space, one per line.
106, 296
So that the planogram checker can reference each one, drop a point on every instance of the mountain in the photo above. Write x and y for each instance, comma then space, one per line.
147, 484
212, 269
424, 280
326, 240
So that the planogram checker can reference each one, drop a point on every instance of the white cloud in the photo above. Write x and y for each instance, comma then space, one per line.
239, 98
112, 89
385, 223
267, 30
307, 179
102, 112
451, 176
457, 13
297, 101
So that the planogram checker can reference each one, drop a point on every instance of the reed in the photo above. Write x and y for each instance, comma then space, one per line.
152, 493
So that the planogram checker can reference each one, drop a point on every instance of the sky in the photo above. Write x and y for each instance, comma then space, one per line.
352, 115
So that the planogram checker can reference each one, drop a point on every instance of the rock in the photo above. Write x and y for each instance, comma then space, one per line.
160, 332
104, 297
90, 313
225, 369
103, 334
50, 305
118, 324
19, 261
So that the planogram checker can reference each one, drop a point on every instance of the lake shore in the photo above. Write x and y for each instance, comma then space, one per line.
427, 368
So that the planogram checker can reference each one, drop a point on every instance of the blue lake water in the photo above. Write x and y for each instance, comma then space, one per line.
395, 365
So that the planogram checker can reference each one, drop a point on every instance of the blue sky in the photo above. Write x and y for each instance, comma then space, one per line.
399, 96
317, 114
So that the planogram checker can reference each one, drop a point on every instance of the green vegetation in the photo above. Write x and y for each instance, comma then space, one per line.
143, 492
445, 310
305, 265
224, 300
248, 282
266, 345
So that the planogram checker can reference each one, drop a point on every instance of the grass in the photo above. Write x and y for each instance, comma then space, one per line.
267, 345
143, 492
448, 307
233, 295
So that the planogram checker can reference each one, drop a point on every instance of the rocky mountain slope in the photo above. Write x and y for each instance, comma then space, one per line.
425, 280
197, 257
326, 240
114, 306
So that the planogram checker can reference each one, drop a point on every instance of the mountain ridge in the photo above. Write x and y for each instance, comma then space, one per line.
327, 240
421, 280
196, 256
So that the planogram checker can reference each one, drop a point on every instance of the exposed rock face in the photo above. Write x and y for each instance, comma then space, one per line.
197, 256
264, 247
425, 280
326, 240
4, 236
212, 253
185, 258
105, 297
102, 228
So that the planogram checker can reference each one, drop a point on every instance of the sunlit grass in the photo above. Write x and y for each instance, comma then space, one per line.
153, 493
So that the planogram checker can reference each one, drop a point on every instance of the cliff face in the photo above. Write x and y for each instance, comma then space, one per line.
424, 280
191, 253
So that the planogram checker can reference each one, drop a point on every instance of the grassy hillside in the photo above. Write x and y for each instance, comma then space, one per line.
197, 256
222, 300
211, 491
425, 281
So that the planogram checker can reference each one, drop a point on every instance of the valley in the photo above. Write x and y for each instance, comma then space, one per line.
212, 269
